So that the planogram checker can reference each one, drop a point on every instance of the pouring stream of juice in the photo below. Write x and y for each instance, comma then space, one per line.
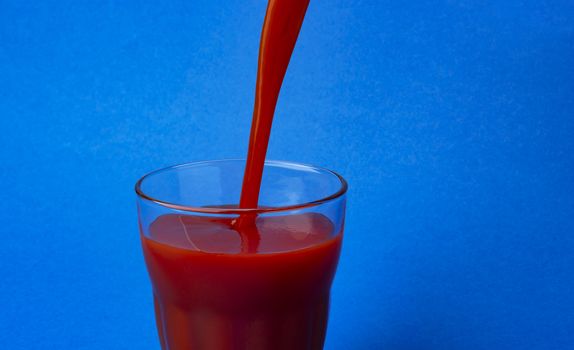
281, 27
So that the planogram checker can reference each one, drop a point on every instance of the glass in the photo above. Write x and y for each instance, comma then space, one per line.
211, 290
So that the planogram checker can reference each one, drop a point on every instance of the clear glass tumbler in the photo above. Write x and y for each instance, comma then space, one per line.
260, 285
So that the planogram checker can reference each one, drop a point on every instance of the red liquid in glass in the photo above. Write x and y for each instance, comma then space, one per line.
209, 295
255, 282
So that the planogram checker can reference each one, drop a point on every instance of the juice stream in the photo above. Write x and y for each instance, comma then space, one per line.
281, 28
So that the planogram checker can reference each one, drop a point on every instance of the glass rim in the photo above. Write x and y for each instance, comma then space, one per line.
238, 211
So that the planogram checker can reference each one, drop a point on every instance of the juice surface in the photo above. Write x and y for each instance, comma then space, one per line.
211, 295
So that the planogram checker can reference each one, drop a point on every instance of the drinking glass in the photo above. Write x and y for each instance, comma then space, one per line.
217, 286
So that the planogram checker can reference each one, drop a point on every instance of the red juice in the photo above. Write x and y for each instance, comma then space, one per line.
248, 282
281, 28
210, 295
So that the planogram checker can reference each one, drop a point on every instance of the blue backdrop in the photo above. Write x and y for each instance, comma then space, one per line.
452, 120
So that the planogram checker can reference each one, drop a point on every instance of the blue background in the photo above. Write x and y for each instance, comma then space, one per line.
452, 120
